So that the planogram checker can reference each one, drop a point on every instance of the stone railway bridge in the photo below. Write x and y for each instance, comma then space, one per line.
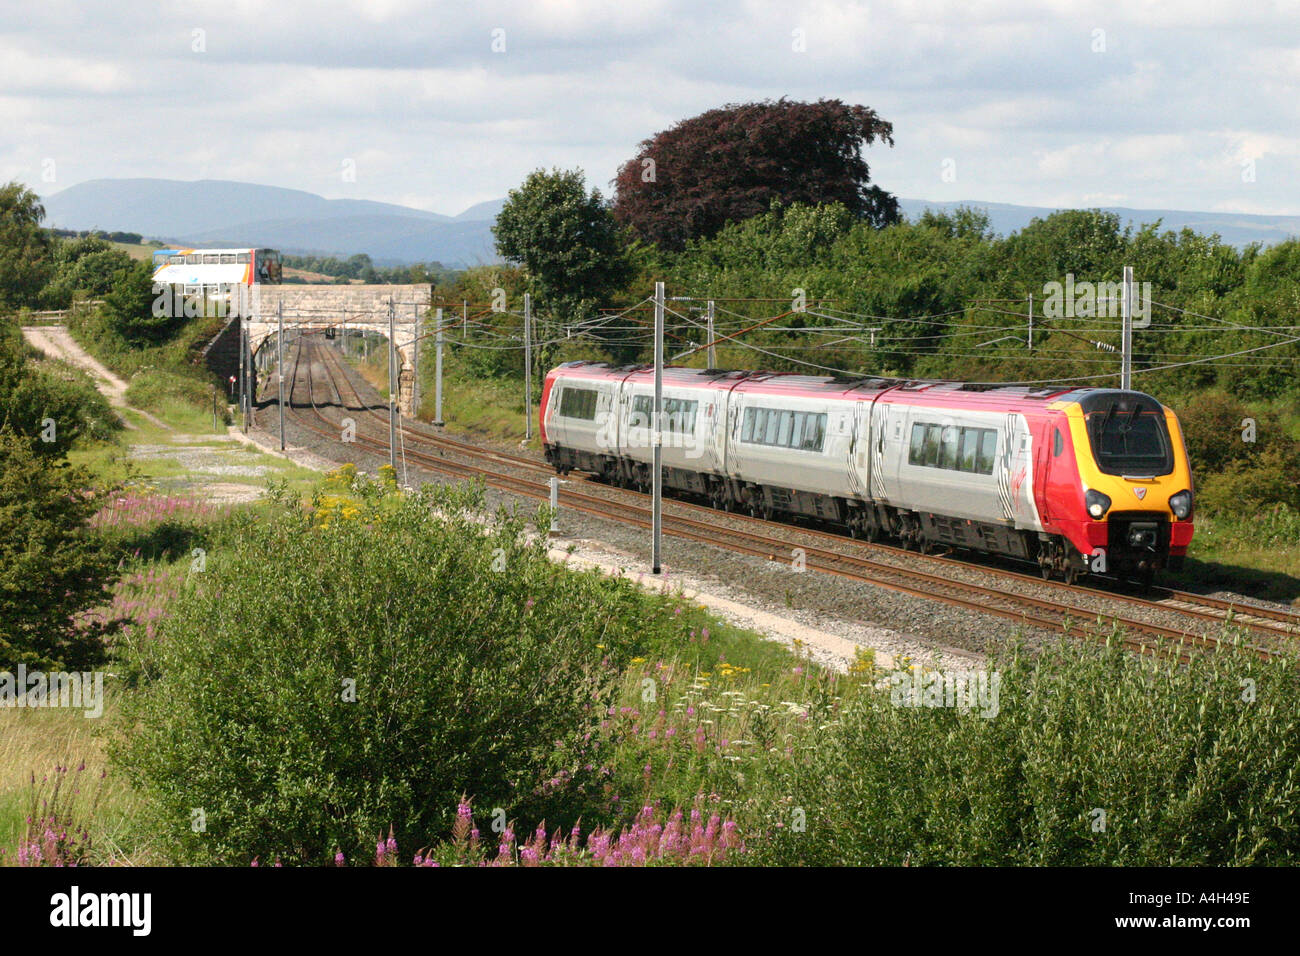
251, 333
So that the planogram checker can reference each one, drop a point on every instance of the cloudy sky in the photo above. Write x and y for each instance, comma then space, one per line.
1184, 104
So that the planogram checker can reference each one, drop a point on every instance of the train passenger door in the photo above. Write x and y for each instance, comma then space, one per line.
881, 482
859, 463
731, 459
614, 433
1043, 463
1015, 473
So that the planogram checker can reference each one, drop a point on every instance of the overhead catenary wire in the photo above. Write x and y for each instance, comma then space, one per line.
622, 327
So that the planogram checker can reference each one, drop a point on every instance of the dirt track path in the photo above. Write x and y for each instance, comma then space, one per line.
56, 342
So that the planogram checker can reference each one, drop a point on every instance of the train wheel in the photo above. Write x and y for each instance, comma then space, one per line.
1071, 574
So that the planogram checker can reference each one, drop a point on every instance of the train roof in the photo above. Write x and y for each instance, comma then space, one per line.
909, 391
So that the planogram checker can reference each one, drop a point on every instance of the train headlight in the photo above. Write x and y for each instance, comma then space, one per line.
1181, 505
1098, 504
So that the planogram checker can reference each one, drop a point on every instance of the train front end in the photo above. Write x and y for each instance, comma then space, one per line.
1136, 484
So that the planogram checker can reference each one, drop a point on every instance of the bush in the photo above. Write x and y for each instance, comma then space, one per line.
480, 668
30, 394
1185, 768
1236, 476
52, 565
1248, 488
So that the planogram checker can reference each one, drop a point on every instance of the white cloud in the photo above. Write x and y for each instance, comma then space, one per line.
1011, 90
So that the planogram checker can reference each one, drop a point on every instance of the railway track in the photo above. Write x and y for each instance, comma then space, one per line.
760, 541
1274, 622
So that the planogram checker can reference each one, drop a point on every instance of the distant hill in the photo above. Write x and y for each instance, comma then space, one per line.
217, 212
1238, 229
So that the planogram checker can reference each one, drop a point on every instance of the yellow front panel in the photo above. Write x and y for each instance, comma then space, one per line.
1120, 491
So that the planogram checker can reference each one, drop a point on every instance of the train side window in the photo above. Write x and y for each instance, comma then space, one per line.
814, 432
1058, 443
932, 433
641, 408
948, 450
783, 436
747, 427
686, 415
773, 426
797, 433
679, 415
578, 403
988, 451
916, 452
970, 439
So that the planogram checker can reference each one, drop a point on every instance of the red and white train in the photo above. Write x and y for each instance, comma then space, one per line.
1077, 479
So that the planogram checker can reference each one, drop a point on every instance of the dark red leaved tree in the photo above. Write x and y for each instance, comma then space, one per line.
728, 164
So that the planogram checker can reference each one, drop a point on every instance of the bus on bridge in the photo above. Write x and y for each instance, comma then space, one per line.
207, 271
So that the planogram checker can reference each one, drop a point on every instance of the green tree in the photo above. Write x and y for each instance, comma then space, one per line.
1086, 242
566, 239
25, 261
132, 309
86, 266
53, 567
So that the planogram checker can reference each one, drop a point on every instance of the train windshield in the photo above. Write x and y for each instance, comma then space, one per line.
1128, 434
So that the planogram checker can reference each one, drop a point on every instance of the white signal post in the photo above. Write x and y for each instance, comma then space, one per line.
392, 387
555, 505
657, 506
279, 372
437, 370
713, 351
528, 367
417, 325
243, 371
1126, 339
1031, 322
